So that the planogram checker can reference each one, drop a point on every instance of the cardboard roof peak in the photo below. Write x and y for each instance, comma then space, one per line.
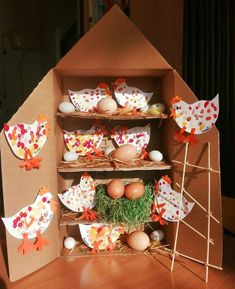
113, 43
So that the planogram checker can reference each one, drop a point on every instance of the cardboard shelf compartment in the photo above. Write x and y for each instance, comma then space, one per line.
104, 164
113, 116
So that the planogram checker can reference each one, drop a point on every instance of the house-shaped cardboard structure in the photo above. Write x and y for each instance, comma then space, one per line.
113, 48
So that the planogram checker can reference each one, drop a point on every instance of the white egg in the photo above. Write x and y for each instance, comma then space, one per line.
66, 107
108, 151
70, 156
160, 107
155, 156
69, 243
157, 235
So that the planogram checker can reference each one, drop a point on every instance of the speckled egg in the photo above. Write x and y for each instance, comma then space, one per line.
66, 107
115, 189
70, 156
138, 241
125, 153
107, 105
155, 156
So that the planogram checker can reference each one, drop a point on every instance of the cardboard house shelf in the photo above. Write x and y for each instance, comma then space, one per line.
113, 116
106, 165
113, 48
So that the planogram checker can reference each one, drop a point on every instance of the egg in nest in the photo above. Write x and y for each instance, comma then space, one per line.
125, 153
134, 190
115, 189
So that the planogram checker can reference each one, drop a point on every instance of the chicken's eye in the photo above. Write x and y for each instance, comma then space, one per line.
48, 202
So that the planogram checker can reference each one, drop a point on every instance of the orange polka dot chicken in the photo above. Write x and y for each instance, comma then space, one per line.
195, 118
31, 221
27, 140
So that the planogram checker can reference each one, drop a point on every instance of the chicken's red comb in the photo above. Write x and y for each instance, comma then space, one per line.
42, 118
175, 99
167, 179
103, 85
120, 80
85, 175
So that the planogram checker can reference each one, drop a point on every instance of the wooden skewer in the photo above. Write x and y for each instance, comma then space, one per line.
180, 206
191, 258
195, 166
195, 230
200, 205
208, 213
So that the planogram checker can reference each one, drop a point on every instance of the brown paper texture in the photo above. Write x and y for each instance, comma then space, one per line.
20, 187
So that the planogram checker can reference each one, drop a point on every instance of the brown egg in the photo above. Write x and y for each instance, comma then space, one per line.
115, 189
125, 153
138, 240
134, 190
107, 105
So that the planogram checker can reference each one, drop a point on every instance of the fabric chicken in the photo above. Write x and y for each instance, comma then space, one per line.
86, 100
100, 236
130, 96
137, 136
83, 142
81, 196
167, 202
27, 140
31, 221
195, 118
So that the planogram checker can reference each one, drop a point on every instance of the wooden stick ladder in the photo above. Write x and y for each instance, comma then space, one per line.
180, 207
206, 210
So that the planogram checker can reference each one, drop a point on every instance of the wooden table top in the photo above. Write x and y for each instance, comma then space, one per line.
126, 272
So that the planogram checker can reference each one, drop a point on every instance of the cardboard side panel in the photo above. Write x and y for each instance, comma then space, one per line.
113, 43
196, 183
20, 187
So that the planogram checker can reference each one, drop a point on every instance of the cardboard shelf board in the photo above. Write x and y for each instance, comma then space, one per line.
112, 117
107, 165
